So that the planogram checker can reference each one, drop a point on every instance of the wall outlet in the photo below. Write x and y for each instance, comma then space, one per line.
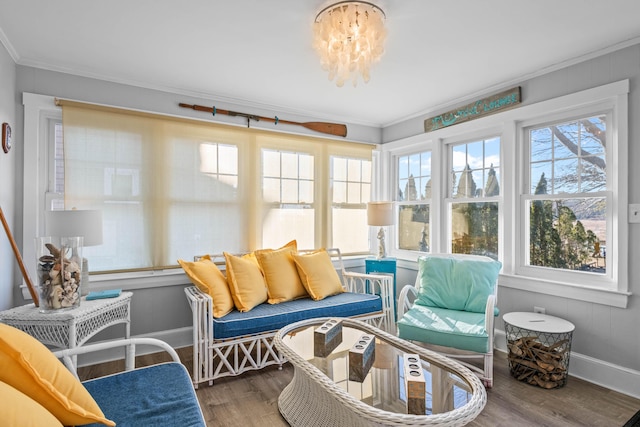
540, 310
634, 213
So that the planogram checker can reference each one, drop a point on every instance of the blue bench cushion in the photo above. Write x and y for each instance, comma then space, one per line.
158, 395
451, 328
271, 317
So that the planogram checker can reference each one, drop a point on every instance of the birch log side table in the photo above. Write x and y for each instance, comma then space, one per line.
71, 328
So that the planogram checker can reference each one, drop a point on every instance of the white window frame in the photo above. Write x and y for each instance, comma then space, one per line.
418, 202
447, 200
510, 126
556, 274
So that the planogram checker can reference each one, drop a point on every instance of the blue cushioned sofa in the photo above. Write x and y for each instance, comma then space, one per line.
243, 341
156, 395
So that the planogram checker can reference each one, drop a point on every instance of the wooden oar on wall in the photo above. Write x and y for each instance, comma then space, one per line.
328, 128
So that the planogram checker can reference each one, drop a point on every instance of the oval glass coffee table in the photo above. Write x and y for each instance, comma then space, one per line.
321, 392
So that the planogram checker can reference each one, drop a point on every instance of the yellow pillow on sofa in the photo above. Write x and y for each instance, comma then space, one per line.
245, 280
318, 275
281, 274
19, 410
210, 280
30, 367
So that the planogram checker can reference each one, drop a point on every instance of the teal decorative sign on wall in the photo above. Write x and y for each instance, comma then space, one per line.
483, 107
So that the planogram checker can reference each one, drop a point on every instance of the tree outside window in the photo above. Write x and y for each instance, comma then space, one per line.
567, 207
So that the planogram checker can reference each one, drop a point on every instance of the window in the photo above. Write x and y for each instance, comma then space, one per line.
533, 187
414, 200
171, 189
351, 191
474, 197
566, 200
288, 194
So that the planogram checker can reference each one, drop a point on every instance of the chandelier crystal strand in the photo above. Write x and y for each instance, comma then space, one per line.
349, 38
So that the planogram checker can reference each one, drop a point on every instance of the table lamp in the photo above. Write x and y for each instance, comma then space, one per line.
380, 214
77, 222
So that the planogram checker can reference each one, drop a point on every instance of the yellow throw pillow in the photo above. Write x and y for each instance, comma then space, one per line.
19, 410
210, 280
281, 274
30, 367
245, 280
318, 275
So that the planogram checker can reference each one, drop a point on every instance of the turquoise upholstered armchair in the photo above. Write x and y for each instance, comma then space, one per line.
453, 305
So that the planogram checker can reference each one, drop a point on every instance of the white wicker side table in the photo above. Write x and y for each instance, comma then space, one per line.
71, 328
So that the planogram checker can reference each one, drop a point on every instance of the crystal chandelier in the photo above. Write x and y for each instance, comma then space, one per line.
349, 37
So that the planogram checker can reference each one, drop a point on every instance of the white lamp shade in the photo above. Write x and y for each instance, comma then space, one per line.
380, 213
71, 223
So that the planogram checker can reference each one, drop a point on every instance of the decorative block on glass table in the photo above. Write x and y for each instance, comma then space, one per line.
361, 357
415, 384
327, 337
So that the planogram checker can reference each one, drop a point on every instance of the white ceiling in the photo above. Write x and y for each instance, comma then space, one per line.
259, 52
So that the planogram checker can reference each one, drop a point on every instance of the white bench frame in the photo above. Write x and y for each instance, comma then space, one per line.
217, 358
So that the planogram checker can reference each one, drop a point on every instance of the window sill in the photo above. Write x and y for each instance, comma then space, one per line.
559, 289
160, 278
566, 290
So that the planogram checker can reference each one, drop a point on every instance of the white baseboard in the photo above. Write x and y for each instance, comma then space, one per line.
176, 338
596, 371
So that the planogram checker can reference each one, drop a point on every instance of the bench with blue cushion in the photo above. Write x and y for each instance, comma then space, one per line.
241, 341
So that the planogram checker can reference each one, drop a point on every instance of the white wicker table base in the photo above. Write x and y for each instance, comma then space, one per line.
67, 329
313, 399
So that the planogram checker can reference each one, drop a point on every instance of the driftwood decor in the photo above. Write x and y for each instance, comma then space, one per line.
480, 108
539, 364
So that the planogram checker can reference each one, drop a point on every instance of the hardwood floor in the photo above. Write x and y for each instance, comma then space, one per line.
252, 399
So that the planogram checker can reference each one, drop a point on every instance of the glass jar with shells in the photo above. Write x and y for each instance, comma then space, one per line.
59, 266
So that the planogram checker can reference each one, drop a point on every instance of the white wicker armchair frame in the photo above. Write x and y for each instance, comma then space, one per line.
217, 358
406, 299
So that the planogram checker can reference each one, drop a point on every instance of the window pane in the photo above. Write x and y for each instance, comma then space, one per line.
413, 228
575, 162
270, 163
350, 231
565, 179
305, 189
474, 228
541, 148
414, 172
568, 234
339, 192
540, 176
305, 162
271, 190
339, 169
354, 168
289, 191
282, 225
475, 169
228, 159
351, 184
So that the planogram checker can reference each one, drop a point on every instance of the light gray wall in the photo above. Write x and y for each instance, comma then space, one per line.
609, 334
9, 272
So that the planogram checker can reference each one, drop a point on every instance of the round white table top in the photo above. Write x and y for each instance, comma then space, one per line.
538, 322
